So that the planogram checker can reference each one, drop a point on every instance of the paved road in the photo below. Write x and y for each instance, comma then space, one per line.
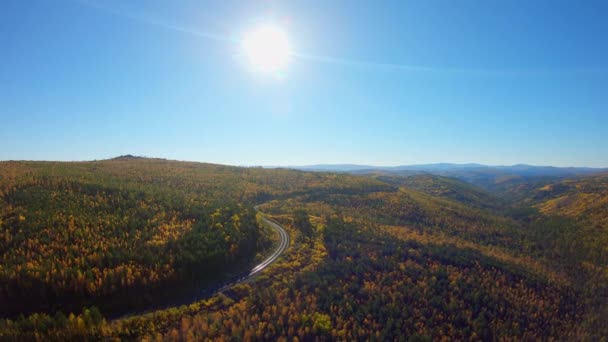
283, 244
246, 276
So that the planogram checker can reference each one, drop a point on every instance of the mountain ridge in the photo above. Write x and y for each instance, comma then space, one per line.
432, 166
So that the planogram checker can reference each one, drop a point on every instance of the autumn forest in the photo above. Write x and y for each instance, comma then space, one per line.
151, 249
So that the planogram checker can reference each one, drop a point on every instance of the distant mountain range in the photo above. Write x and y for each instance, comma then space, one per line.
522, 169
486, 176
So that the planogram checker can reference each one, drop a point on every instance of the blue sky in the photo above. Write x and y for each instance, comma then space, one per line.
372, 82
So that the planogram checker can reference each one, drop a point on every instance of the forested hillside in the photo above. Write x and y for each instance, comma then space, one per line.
372, 257
74, 236
449, 188
78, 234
574, 227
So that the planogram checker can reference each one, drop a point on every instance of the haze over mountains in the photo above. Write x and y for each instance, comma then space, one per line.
520, 169
489, 177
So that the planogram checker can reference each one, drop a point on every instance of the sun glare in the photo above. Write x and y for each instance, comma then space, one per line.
267, 48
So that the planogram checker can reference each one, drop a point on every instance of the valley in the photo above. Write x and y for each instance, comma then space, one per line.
360, 256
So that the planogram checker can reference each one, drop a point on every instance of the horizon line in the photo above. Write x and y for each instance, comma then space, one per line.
293, 166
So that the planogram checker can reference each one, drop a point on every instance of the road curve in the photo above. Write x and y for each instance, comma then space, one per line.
283, 244
246, 276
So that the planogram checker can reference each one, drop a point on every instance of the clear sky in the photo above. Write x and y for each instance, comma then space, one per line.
369, 82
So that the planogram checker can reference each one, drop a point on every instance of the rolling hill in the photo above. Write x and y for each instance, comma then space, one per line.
423, 255
491, 178
445, 187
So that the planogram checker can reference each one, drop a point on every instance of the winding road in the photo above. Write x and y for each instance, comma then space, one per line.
246, 276
283, 244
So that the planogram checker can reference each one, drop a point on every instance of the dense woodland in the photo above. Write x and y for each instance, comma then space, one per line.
371, 257
68, 243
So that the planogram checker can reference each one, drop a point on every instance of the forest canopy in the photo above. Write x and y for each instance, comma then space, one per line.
371, 257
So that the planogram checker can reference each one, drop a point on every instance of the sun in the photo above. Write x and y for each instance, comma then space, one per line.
267, 48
